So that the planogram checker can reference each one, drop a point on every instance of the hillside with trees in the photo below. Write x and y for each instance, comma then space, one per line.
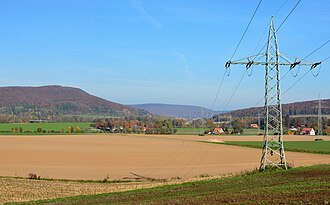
292, 109
297, 115
21, 104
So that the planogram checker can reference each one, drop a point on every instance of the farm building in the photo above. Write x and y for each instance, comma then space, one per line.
293, 131
217, 130
307, 131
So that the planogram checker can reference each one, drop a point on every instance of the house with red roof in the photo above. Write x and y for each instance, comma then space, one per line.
217, 131
307, 131
254, 126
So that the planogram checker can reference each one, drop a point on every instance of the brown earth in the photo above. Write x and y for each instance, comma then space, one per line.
126, 156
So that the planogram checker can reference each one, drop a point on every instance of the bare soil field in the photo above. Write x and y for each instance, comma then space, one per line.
128, 156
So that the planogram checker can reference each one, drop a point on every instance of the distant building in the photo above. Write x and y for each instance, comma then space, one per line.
307, 131
37, 121
292, 131
217, 131
254, 126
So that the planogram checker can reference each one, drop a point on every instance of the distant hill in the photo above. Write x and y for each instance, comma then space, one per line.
293, 109
180, 111
56, 100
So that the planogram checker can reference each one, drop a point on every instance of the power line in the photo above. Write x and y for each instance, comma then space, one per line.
255, 11
317, 50
217, 95
240, 41
310, 55
238, 84
265, 45
278, 10
304, 73
288, 15
325, 59
264, 32
285, 19
282, 23
295, 82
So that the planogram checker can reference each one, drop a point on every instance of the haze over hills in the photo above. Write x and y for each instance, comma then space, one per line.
57, 100
292, 109
180, 111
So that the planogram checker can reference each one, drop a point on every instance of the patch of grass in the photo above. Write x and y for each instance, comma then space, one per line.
46, 128
190, 131
304, 185
317, 147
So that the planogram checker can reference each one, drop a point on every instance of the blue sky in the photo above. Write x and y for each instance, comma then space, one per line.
164, 51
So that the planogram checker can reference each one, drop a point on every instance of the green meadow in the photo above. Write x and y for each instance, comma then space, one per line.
318, 147
35, 128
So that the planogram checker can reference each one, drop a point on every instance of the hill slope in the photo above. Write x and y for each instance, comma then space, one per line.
297, 108
180, 111
56, 100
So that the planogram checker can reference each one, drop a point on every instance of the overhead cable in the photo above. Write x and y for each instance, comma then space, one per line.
285, 19
246, 29
317, 50
240, 41
238, 84
288, 15
217, 95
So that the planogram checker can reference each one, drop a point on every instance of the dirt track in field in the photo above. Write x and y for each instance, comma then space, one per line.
122, 156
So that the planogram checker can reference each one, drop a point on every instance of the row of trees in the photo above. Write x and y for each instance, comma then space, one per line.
40, 130
149, 125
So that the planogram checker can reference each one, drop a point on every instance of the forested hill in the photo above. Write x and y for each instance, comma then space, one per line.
293, 109
48, 101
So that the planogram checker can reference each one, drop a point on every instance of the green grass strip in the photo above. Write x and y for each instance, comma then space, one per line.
316, 147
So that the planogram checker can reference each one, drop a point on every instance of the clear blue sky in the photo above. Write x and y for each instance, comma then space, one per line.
165, 51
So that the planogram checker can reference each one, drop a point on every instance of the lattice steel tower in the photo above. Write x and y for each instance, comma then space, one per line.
273, 149
319, 119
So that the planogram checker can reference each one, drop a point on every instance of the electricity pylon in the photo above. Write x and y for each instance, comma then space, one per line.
319, 119
273, 149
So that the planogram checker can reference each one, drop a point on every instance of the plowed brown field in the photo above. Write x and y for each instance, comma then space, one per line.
121, 156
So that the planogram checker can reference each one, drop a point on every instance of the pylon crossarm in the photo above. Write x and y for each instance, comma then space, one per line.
270, 63
295, 61
292, 59
250, 58
288, 60
248, 61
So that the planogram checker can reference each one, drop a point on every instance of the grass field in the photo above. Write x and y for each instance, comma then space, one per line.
319, 147
190, 131
304, 185
17, 128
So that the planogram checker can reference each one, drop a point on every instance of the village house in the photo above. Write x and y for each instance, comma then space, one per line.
217, 131
307, 131
254, 126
